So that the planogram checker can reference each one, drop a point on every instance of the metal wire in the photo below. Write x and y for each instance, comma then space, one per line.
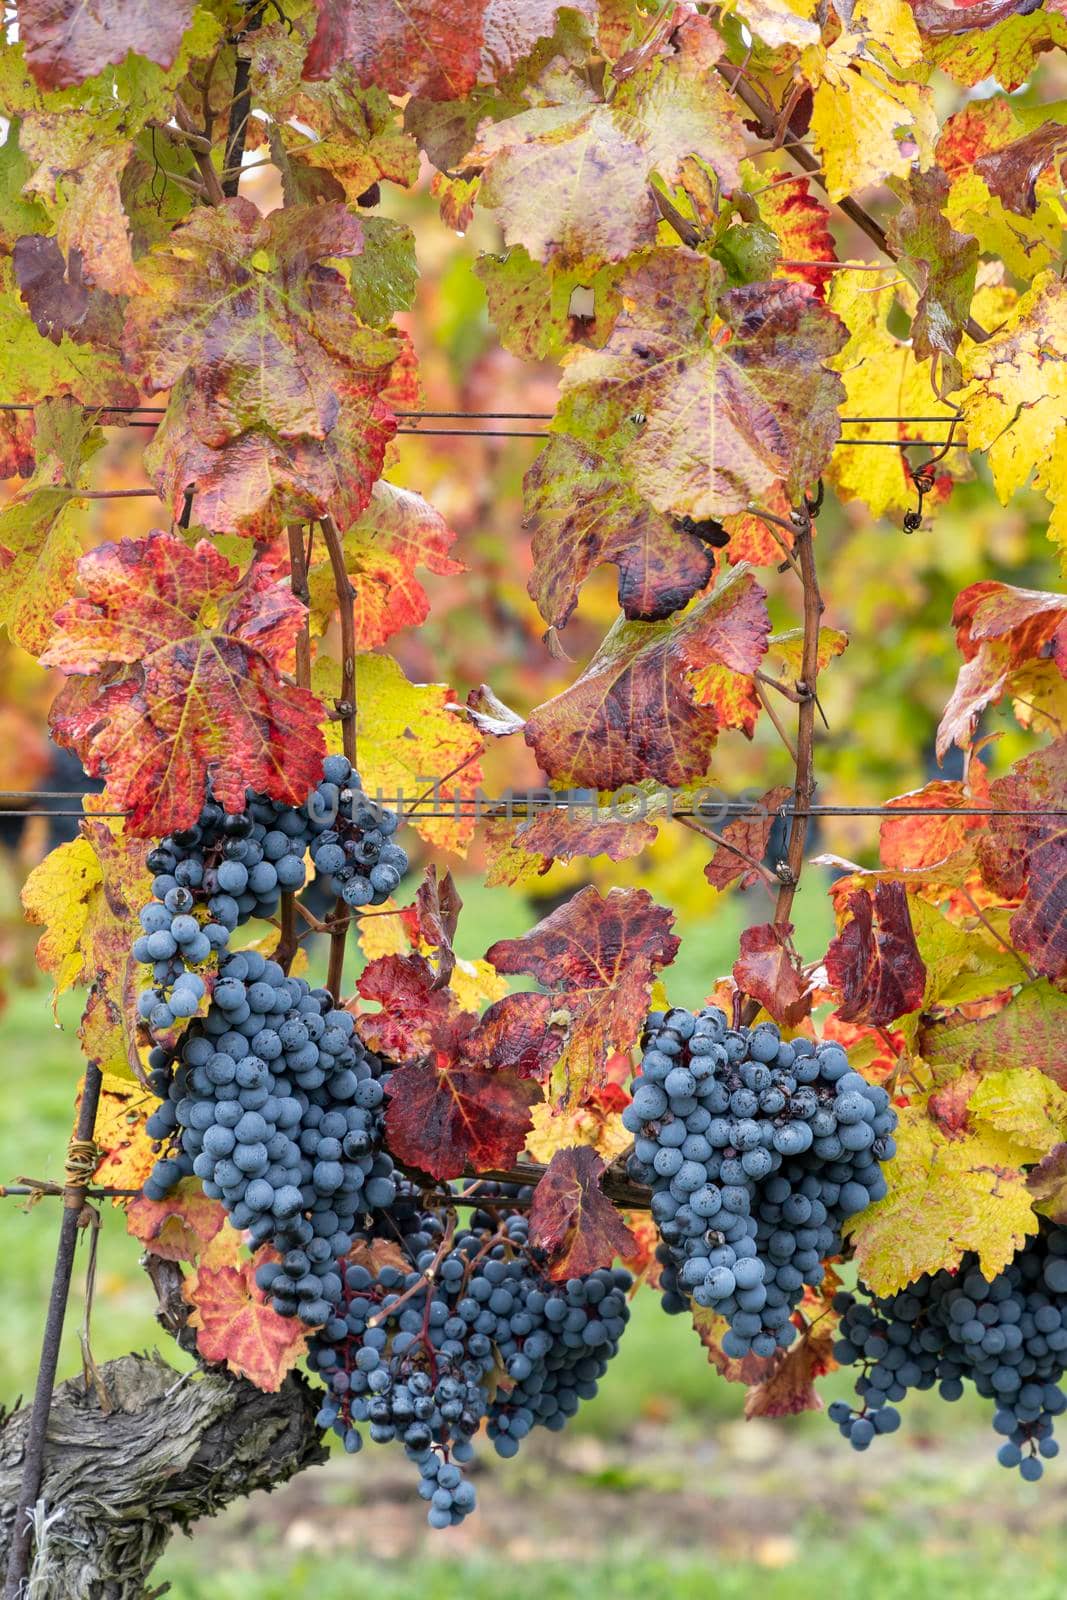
490, 416
475, 808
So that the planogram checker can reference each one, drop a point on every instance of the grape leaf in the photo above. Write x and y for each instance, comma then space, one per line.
711, 1328
1007, 50
518, 851
947, 1196
413, 1009
275, 385
87, 894
921, 844
446, 1114
801, 224
397, 533
411, 742
33, 368
1015, 400
67, 41
179, 1227
572, 1219
769, 970
1029, 1028
571, 178
1000, 630
1047, 1182
874, 961
1025, 856
943, 264
519, 1033
59, 300
127, 1154
860, 110
1025, 1105
78, 161
533, 305
728, 391
39, 524
201, 695
402, 46
789, 1387
582, 513
235, 1324
597, 957
872, 364
654, 698
749, 834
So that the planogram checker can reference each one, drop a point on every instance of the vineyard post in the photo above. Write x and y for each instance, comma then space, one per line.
80, 1165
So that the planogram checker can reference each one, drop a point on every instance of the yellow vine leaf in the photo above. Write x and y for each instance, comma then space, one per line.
1014, 398
58, 893
408, 734
859, 110
1025, 1105
881, 377
946, 1197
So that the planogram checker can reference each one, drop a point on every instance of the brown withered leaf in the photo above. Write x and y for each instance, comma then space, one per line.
1047, 1182
581, 513
749, 834
573, 1220
1024, 857
653, 699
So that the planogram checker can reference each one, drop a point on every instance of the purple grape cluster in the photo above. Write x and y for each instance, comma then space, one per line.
757, 1150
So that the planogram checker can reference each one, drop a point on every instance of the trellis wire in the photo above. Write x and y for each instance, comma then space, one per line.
464, 807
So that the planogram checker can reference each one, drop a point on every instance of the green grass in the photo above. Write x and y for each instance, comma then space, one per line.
869, 1567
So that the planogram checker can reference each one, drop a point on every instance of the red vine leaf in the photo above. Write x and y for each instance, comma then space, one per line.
236, 1325
446, 1115
749, 834
67, 41
397, 533
918, 843
768, 969
653, 699
597, 956
874, 962
1025, 857
572, 1219
1000, 630
412, 1011
403, 46
711, 1329
514, 850
191, 654
789, 1388
520, 1033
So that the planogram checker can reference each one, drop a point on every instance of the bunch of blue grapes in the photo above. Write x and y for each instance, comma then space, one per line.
757, 1150
229, 867
473, 1330
277, 1107
1006, 1335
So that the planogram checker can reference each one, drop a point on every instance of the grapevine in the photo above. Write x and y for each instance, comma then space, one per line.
755, 257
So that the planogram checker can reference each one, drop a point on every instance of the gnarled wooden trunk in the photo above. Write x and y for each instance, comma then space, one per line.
171, 1449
